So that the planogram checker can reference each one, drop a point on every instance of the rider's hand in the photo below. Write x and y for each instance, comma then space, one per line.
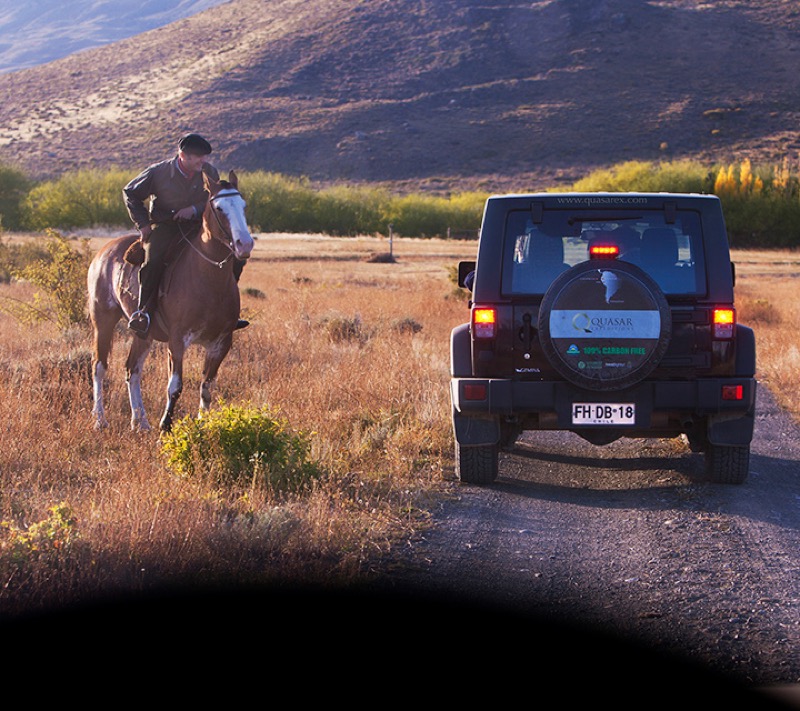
186, 213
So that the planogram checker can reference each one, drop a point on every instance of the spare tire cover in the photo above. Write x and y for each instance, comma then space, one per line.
604, 325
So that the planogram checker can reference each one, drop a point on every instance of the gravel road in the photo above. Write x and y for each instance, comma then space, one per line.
629, 541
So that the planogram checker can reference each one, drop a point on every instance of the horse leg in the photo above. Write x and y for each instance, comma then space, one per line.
215, 354
133, 368
103, 326
175, 385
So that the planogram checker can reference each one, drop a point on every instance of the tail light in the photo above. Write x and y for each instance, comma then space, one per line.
474, 392
484, 322
604, 251
733, 392
723, 323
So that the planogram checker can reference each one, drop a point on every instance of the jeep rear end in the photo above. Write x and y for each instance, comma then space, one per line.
608, 315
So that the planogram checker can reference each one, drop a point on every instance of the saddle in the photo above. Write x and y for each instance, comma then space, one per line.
135, 254
134, 257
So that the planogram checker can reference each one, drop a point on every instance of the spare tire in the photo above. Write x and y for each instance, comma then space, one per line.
604, 325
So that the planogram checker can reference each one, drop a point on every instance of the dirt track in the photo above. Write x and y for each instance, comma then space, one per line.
630, 540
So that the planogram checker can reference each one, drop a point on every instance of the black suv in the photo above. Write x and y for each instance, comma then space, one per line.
606, 314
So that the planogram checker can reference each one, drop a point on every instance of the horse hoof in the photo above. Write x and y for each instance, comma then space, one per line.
140, 426
100, 425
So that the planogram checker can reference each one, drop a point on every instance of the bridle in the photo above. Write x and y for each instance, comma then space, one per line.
228, 240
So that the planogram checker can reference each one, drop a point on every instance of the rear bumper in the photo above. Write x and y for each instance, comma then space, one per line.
662, 408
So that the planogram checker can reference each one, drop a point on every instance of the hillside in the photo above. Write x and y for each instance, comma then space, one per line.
452, 93
34, 33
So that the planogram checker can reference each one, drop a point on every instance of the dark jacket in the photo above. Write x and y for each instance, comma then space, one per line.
169, 189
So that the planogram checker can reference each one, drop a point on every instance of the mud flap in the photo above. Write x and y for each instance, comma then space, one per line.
745, 351
733, 432
476, 431
460, 352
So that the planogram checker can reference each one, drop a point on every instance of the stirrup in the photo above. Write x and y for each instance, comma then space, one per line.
139, 322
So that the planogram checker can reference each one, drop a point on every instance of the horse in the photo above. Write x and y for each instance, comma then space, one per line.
198, 303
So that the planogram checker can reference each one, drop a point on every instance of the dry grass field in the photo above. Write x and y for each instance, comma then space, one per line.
349, 349
767, 293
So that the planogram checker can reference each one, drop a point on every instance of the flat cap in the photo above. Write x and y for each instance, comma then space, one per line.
194, 143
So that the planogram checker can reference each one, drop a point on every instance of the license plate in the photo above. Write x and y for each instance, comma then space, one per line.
603, 413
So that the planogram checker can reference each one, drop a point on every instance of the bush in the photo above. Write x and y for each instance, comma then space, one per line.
14, 186
62, 276
347, 211
761, 204
240, 445
433, 216
641, 176
276, 203
15, 256
44, 541
88, 198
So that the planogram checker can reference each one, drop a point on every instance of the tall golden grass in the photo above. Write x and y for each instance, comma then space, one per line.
768, 294
351, 348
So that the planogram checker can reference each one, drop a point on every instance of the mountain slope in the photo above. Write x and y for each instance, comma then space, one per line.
407, 90
43, 31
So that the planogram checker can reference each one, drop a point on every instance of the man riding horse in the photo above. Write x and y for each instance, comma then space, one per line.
177, 198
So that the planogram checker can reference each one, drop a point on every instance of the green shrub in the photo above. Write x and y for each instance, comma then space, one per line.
15, 256
88, 198
760, 204
61, 274
48, 538
14, 186
276, 203
434, 216
642, 176
347, 211
241, 445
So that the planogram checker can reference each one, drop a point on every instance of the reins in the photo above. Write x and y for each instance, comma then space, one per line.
229, 243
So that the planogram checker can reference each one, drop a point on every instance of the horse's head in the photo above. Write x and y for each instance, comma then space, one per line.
228, 205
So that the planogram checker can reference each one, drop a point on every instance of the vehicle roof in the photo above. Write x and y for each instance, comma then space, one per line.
604, 197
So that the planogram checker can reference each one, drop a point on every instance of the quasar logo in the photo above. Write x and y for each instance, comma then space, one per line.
581, 322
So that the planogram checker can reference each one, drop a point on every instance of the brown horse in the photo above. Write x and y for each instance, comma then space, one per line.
198, 302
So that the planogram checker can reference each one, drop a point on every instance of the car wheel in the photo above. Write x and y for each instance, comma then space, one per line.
604, 325
727, 465
477, 464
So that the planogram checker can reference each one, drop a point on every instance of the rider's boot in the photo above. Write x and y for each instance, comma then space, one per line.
139, 321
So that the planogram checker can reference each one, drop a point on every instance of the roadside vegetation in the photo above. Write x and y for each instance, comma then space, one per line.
330, 434
761, 203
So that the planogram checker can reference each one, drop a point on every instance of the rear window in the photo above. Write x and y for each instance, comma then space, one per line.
536, 253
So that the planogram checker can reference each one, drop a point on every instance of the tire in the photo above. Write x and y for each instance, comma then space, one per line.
604, 325
727, 465
477, 465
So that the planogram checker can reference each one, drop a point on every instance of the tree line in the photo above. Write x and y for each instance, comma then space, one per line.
761, 203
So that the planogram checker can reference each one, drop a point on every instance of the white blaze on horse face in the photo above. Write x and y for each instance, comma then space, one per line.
232, 205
